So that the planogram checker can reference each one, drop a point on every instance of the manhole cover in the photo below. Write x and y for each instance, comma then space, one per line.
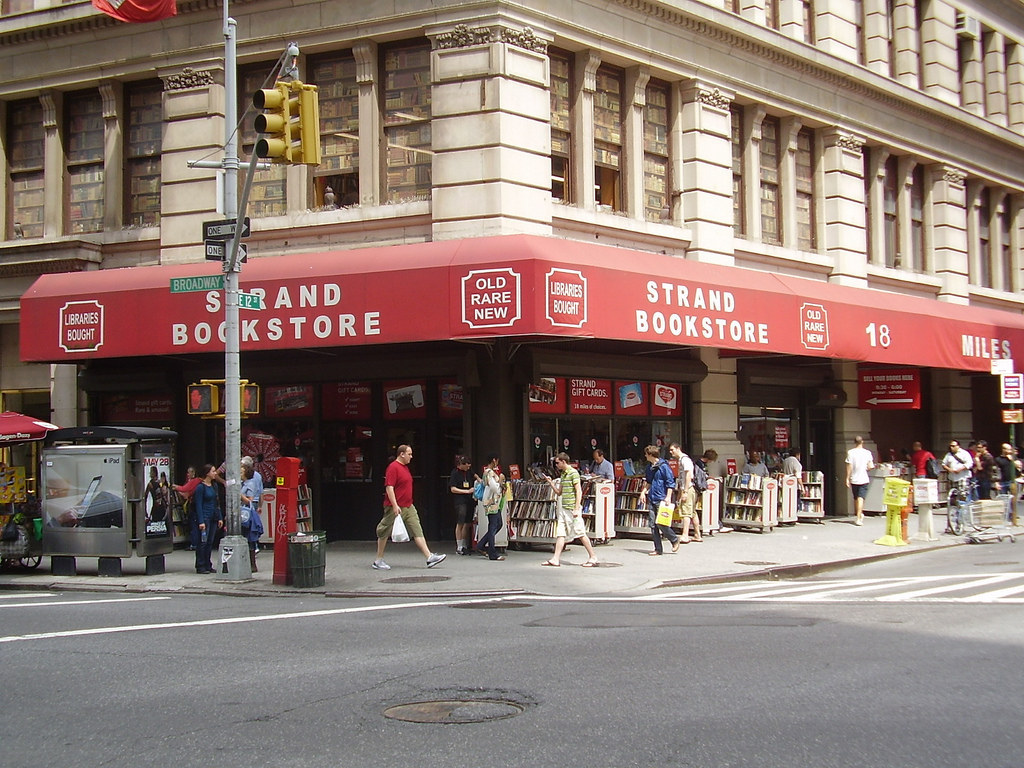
755, 562
492, 604
454, 711
414, 579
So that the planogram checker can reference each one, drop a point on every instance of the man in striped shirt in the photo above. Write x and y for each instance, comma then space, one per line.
569, 513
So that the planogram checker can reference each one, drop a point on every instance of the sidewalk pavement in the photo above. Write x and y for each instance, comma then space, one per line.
626, 568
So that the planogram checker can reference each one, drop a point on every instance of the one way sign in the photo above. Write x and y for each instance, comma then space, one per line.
224, 229
217, 250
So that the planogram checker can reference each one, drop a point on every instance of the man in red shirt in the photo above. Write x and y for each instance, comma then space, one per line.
398, 501
919, 458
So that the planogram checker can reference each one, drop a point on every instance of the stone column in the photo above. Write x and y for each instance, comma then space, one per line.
949, 215
53, 165
972, 78
844, 217
940, 69
370, 128
788, 130
907, 65
995, 78
791, 19
702, 169
835, 28
998, 201
714, 409
1015, 87
193, 106
754, 10
973, 211
585, 71
491, 133
113, 155
633, 141
752, 117
876, 36
874, 213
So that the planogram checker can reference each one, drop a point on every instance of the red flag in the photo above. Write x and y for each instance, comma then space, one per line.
137, 11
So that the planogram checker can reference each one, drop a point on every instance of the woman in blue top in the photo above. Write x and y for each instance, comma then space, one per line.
252, 491
206, 508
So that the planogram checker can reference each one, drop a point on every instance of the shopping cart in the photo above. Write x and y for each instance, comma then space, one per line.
990, 521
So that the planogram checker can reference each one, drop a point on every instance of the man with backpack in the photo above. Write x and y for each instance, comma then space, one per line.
687, 495
925, 463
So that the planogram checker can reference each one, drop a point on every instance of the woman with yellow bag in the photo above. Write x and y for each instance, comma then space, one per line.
659, 485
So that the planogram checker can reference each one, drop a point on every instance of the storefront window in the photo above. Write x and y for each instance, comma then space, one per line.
771, 432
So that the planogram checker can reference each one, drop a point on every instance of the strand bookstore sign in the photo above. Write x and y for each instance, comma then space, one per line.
519, 285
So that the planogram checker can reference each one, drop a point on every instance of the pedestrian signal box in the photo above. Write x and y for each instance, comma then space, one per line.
202, 399
250, 399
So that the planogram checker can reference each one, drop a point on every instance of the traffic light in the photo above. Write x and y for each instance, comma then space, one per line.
250, 399
202, 399
276, 121
292, 121
309, 125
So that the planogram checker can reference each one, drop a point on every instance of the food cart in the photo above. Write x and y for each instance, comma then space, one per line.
20, 513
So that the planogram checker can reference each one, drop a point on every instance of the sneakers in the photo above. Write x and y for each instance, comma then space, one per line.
380, 565
433, 560
461, 551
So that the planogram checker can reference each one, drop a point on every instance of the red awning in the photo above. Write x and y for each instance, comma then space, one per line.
502, 286
19, 428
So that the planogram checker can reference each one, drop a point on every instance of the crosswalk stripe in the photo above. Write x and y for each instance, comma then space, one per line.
956, 587
84, 602
995, 594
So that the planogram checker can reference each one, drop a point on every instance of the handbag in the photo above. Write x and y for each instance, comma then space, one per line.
10, 532
665, 513
399, 533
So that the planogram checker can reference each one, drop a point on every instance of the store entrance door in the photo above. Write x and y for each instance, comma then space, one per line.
820, 456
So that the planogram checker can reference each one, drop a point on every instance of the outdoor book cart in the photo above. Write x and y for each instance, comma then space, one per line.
18, 504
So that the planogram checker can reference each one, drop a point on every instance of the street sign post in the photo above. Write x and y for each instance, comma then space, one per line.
1012, 386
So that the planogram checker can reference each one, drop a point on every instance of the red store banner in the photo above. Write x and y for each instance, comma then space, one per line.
889, 388
590, 396
346, 400
517, 285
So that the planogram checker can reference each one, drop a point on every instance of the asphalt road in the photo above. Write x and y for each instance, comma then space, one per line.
667, 680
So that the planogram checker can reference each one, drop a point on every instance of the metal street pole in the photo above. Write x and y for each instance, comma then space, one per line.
234, 547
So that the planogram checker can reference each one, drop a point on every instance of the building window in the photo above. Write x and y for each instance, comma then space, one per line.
8, 7
268, 195
25, 143
917, 220
406, 96
739, 224
985, 239
771, 231
805, 233
656, 168
771, 13
561, 126
807, 9
142, 154
83, 135
608, 138
338, 172
890, 217
1006, 244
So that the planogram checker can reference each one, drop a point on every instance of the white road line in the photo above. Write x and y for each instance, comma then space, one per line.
955, 587
995, 594
84, 602
27, 595
216, 622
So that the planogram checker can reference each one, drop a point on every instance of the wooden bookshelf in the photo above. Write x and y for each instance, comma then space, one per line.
25, 140
656, 164
143, 147
407, 122
84, 151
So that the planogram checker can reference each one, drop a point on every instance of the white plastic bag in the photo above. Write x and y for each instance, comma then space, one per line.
398, 530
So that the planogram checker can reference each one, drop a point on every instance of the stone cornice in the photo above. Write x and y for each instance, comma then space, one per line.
75, 18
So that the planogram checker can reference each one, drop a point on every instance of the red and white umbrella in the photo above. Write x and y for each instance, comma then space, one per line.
18, 428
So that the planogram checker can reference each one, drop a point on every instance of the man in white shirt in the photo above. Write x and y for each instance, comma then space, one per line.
792, 466
859, 462
957, 463
686, 494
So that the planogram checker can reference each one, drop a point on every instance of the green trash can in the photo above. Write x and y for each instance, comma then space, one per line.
307, 558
